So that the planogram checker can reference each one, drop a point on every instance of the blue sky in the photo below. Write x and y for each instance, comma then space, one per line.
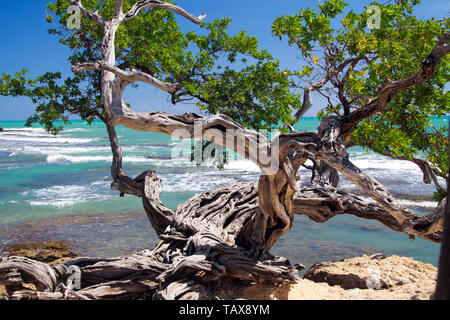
26, 44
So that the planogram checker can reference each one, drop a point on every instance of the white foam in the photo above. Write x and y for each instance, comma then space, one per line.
61, 196
103, 183
25, 134
39, 135
209, 177
195, 182
25, 130
62, 158
242, 165
44, 138
409, 203
418, 203
8, 202
389, 164
144, 147
57, 203
77, 130
56, 150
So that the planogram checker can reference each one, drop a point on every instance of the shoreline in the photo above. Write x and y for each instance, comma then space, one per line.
86, 233
112, 234
81, 177
360, 278
106, 235
374, 277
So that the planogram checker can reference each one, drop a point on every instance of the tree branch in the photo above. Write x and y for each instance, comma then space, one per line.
220, 129
129, 76
307, 104
428, 172
93, 16
118, 6
141, 5
322, 204
325, 146
390, 89
410, 222
307, 100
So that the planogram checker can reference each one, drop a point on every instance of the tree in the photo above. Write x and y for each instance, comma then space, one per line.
226, 234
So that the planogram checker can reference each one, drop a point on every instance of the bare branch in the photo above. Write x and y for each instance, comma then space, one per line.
426, 168
307, 104
322, 204
128, 76
118, 6
325, 146
411, 223
220, 129
141, 5
307, 100
341, 85
93, 16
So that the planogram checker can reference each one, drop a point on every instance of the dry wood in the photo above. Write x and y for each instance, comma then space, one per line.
225, 234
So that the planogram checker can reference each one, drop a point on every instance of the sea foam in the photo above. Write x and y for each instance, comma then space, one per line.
61, 196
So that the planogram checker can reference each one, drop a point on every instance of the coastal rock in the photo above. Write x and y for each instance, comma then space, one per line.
1, 129
390, 278
51, 252
401, 278
372, 272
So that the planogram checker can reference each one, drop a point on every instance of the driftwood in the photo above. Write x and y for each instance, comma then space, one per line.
208, 240
203, 241
226, 234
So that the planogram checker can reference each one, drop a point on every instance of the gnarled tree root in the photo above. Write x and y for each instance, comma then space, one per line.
214, 238
206, 241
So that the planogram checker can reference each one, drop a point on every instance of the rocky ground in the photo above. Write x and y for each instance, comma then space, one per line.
375, 277
50, 252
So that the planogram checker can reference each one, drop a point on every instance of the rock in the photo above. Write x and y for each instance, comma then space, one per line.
371, 227
1, 129
389, 278
400, 279
50, 252
373, 272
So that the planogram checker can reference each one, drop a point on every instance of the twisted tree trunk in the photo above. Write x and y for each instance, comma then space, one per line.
213, 237
226, 234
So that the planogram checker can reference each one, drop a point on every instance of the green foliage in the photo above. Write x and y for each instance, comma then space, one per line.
229, 74
328, 37
202, 151
221, 73
439, 195
54, 102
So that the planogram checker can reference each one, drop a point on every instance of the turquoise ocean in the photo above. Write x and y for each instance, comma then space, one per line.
58, 188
